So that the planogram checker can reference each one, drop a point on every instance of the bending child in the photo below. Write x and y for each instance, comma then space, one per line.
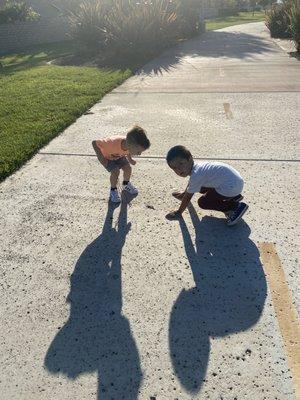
220, 184
116, 152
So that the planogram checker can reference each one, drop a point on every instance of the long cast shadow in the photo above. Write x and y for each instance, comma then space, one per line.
97, 337
229, 294
213, 44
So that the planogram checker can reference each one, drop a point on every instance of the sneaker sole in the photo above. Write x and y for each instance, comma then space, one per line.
115, 202
240, 198
127, 191
239, 218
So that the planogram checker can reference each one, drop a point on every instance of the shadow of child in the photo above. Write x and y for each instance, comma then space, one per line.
229, 294
97, 337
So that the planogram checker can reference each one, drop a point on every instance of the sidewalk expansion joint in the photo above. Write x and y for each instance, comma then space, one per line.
143, 92
163, 158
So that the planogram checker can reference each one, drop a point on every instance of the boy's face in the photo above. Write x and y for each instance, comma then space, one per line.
182, 166
135, 149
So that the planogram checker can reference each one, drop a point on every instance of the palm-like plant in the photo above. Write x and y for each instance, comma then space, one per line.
277, 21
88, 24
294, 25
130, 29
141, 25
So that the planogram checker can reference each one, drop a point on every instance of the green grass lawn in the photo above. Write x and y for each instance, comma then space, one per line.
37, 101
242, 18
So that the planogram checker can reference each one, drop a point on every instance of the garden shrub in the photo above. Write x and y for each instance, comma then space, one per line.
294, 23
190, 15
277, 21
283, 20
135, 27
127, 29
88, 25
13, 11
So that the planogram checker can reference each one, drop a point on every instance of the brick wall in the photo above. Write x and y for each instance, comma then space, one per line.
17, 36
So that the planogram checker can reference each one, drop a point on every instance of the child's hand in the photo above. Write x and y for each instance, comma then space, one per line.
174, 215
131, 161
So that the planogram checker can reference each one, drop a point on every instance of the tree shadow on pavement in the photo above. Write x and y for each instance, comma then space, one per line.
97, 337
214, 44
228, 297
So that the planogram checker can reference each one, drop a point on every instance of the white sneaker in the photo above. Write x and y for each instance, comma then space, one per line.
130, 188
114, 196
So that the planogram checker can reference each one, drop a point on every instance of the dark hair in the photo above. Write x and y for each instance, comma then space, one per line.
137, 135
178, 152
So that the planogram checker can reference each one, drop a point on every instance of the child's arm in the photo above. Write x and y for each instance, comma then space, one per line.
184, 203
99, 154
132, 162
180, 195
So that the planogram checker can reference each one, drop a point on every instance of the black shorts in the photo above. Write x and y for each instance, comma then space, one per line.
118, 163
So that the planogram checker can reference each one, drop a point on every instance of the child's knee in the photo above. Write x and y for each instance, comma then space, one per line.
203, 203
115, 172
127, 168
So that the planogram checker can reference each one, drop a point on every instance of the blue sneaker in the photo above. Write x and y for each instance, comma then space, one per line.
236, 215
238, 198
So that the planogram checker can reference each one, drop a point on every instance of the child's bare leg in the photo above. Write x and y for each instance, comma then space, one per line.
127, 185
178, 195
127, 172
114, 177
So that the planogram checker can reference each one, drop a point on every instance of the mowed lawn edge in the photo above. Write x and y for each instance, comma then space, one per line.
241, 18
37, 104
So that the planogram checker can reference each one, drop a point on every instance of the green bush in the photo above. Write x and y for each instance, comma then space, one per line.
88, 25
127, 30
13, 11
190, 15
277, 20
294, 26
135, 27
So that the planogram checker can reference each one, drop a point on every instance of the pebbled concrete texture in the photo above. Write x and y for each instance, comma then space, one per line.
199, 122
119, 303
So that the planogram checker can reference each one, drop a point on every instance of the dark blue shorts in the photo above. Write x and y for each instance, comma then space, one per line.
118, 163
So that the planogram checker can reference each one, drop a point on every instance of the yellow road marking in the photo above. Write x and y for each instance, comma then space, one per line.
285, 310
221, 72
228, 111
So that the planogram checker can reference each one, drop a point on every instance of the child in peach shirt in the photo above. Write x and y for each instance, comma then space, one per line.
116, 152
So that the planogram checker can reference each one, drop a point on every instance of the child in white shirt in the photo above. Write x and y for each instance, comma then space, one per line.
220, 184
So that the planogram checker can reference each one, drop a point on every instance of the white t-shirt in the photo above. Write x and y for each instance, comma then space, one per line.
222, 177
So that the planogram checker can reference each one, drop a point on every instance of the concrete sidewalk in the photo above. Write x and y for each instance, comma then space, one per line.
102, 303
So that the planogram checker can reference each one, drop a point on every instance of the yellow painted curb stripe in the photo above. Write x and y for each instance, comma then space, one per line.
228, 112
285, 310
